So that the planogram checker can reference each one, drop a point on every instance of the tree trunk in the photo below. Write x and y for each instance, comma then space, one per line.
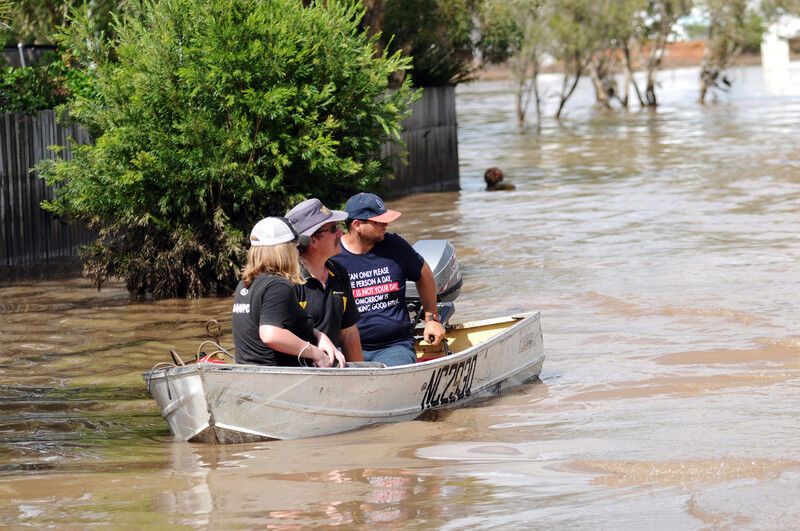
566, 92
600, 93
703, 90
526, 84
653, 65
650, 91
712, 67
707, 76
536, 95
629, 79
520, 108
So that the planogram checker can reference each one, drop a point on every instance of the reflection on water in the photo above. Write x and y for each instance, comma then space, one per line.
663, 251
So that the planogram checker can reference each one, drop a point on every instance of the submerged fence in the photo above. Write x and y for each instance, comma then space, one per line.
34, 243
431, 138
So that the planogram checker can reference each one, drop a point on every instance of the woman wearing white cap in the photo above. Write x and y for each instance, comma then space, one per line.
269, 326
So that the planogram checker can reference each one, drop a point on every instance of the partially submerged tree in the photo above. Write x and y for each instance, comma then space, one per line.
659, 26
725, 41
611, 24
210, 116
517, 31
733, 26
628, 17
575, 42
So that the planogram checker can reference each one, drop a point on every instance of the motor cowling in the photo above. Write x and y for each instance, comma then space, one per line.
441, 257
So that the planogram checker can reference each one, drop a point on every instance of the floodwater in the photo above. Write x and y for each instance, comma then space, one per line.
663, 250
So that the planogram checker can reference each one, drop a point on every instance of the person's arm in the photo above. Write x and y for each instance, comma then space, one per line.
283, 340
351, 343
426, 287
327, 346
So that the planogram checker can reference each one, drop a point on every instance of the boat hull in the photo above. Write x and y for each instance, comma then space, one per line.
225, 404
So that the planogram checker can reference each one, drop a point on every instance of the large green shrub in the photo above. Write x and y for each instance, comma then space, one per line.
212, 115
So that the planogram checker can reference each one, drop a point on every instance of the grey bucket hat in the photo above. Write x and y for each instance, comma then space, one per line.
307, 217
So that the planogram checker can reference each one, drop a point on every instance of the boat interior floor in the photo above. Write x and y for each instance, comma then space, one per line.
463, 336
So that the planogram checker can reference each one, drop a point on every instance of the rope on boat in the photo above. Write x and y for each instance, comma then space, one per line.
213, 332
220, 349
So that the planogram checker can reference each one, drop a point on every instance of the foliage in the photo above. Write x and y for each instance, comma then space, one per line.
212, 115
5, 12
772, 10
45, 85
502, 32
38, 21
695, 30
436, 34
753, 29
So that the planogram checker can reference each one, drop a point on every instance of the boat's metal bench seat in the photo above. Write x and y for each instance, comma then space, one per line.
364, 365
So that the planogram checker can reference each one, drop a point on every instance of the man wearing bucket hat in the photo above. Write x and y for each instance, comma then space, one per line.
326, 294
379, 263
269, 326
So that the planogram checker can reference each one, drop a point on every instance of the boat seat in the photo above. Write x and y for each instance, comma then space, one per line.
364, 364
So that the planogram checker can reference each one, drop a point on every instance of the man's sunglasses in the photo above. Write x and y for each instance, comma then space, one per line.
331, 229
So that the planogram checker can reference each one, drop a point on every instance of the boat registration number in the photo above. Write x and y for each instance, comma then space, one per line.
449, 383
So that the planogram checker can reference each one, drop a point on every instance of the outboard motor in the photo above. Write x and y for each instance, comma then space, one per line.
441, 257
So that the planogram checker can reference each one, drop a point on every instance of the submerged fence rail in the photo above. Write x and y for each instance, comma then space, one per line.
35, 243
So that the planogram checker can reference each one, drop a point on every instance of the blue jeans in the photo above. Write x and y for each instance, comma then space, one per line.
393, 355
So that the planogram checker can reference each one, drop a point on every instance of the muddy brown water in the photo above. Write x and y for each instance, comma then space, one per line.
663, 250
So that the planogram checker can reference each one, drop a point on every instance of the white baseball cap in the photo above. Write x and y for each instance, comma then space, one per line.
272, 231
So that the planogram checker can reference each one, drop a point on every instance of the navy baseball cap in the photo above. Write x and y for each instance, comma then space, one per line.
369, 206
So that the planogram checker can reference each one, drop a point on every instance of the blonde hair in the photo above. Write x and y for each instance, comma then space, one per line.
281, 259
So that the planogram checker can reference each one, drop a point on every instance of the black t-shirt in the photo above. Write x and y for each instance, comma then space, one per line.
270, 300
332, 307
378, 279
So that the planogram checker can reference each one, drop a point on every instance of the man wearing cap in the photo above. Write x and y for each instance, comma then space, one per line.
326, 295
378, 264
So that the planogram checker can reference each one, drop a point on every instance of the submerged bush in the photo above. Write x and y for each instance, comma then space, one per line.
211, 115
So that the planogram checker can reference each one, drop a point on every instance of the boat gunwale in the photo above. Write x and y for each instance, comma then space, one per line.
521, 319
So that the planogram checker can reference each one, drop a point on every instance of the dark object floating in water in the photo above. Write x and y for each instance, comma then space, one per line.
494, 177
